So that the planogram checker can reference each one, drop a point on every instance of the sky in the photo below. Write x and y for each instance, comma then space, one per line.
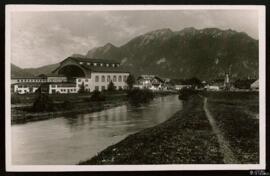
46, 37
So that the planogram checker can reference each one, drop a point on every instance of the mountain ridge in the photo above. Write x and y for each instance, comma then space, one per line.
204, 53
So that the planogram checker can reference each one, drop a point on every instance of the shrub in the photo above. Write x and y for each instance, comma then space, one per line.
111, 86
185, 93
82, 88
130, 81
43, 103
15, 99
67, 105
97, 96
138, 96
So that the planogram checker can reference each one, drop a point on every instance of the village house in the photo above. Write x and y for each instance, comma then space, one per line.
151, 82
25, 88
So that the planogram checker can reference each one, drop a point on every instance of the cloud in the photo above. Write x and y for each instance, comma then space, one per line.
40, 38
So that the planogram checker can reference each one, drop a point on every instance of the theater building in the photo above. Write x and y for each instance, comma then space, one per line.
95, 74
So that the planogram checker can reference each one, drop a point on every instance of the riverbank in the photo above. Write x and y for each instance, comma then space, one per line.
219, 128
186, 138
77, 104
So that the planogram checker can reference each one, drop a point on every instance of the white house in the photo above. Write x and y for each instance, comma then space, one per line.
25, 88
255, 85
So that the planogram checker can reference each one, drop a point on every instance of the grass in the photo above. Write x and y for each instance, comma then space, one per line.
186, 138
235, 114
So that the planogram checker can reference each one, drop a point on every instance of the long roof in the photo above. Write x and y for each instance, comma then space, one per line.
92, 60
102, 69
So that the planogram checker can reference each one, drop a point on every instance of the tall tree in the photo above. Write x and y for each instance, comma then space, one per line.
130, 81
111, 86
82, 88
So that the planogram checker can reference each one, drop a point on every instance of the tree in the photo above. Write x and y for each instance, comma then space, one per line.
195, 82
82, 88
111, 86
130, 81
43, 103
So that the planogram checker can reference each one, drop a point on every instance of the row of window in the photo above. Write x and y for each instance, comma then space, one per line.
25, 86
109, 78
32, 80
99, 64
114, 78
101, 88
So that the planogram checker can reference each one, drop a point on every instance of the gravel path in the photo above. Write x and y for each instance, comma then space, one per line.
229, 157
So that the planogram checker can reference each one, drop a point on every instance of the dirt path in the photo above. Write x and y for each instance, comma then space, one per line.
229, 157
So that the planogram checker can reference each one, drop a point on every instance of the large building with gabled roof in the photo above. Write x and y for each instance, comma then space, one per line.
95, 74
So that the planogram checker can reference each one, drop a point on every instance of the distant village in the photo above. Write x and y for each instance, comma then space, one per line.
76, 73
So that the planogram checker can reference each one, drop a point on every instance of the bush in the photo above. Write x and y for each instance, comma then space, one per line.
98, 96
185, 93
67, 105
138, 96
43, 103
111, 86
15, 99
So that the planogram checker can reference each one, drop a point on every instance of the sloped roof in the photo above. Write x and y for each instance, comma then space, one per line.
105, 69
255, 84
91, 60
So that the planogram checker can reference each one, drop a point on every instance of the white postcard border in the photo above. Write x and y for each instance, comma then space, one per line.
262, 79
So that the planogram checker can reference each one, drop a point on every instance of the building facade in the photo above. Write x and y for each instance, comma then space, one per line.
94, 74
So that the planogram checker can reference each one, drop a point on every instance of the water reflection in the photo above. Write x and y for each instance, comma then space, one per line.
72, 138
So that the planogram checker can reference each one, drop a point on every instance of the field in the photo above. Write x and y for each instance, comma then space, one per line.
190, 138
236, 114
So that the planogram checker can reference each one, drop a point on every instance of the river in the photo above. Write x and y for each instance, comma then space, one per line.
69, 139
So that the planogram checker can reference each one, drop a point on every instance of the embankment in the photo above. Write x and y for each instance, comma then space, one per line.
186, 138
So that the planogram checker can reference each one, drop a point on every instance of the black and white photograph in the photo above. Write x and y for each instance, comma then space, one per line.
135, 87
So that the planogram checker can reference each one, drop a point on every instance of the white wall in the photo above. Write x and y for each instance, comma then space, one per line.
91, 83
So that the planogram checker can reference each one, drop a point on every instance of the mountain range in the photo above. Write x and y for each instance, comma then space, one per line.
204, 53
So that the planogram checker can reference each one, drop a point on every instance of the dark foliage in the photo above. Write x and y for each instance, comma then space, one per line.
130, 81
111, 86
185, 93
98, 96
244, 83
137, 96
43, 103
82, 89
67, 105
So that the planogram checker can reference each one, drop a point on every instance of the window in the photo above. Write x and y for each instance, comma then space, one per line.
101, 64
79, 80
113, 65
125, 78
120, 78
86, 80
97, 78
103, 88
96, 88
107, 65
88, 63
114, 78
117, 65
81, 63
103, 78
119, 88
108, 78
95, 64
